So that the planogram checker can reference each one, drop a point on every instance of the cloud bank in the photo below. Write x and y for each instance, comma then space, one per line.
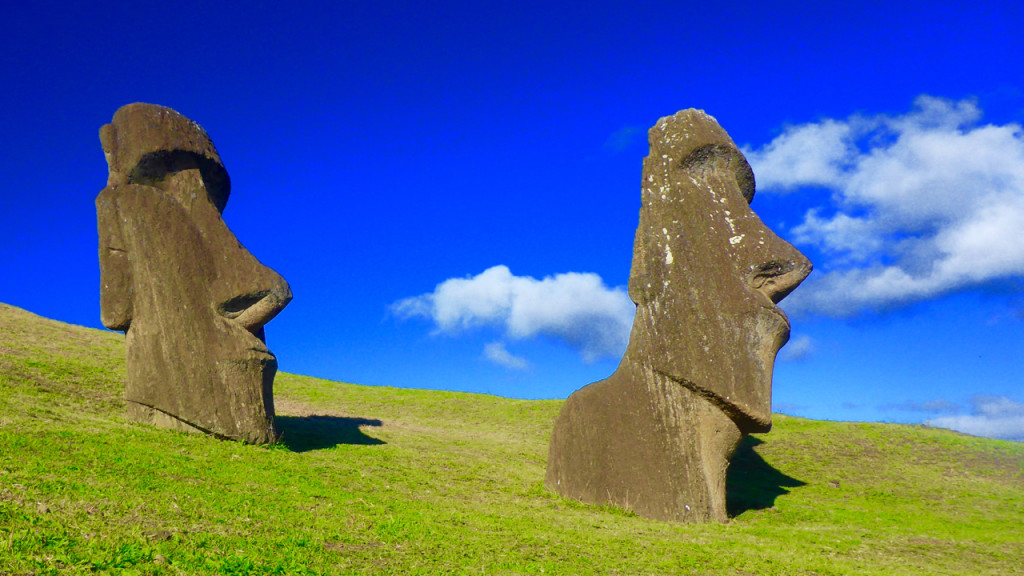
576, 308
922, 205
991, 416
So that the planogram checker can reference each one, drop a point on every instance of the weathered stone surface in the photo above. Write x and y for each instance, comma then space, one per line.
191, 300
657, 435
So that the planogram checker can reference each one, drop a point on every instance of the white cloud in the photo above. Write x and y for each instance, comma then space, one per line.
991, 416
576, 308
798, 349
847, 234
923, 204
624, 138
806, 155
497, 353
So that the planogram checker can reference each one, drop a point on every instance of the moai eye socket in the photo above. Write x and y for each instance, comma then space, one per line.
722, 159
154, 168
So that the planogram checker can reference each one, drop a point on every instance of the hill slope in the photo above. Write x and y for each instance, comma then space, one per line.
371, 480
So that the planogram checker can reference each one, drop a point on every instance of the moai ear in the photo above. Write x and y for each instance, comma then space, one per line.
639, 276
108, 137
108, 140
116, 307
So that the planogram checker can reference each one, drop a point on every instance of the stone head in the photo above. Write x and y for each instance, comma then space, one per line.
156, 146
707, 272
190, 298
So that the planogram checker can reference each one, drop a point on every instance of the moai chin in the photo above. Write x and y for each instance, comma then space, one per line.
657, 435
191, 300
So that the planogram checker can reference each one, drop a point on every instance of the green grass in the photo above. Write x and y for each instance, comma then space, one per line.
372, 480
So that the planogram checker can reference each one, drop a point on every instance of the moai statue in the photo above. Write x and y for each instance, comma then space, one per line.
191, 300
656, 437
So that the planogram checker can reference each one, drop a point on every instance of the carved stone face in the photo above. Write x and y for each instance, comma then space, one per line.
191, 299
707, 273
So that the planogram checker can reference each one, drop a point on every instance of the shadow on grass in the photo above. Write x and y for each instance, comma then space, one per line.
305, 433
751, 483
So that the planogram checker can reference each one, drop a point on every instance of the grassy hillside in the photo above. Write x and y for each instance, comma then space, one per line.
372, 480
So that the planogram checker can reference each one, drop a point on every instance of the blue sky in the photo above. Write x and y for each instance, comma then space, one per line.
451, 189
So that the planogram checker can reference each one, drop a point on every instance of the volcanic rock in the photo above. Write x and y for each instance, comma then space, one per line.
190, 298
656, 436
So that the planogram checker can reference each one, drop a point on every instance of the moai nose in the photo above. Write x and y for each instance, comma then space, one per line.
779, 274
